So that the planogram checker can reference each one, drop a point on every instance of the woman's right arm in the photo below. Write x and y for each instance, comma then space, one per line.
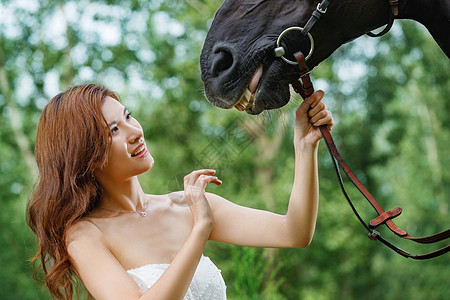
105, 278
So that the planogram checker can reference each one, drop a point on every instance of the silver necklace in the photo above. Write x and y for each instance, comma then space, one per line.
141, 213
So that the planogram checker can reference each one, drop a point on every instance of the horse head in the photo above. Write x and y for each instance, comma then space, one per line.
238, 54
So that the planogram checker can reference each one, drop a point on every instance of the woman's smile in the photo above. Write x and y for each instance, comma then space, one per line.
140, 152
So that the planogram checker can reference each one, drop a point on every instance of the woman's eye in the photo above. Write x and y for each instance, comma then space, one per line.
114, 130
128, 116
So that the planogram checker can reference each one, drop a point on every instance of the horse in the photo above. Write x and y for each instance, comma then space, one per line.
238, 60
247, 63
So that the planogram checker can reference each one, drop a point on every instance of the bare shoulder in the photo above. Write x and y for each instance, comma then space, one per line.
83, 230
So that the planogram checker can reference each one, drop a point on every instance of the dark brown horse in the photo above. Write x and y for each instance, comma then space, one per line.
239, 50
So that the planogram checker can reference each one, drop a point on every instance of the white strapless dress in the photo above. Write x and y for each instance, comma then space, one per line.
207, 282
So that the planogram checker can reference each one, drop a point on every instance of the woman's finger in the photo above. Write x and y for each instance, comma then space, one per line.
310, 102
197, 187
326, 120
319, 116
203, 180
317, 109
192, 177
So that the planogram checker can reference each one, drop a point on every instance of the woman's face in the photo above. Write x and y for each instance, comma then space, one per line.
128, 153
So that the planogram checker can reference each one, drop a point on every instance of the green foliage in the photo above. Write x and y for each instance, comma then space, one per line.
388, 95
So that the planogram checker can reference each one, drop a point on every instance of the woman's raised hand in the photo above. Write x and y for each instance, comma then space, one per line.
194, 193
312, 113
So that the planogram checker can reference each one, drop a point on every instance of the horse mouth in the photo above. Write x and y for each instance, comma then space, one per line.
246, 101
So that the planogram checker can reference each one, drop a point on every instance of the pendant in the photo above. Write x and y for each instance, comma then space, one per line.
142, 213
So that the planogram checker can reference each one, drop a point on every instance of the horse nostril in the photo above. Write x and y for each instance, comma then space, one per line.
223, 60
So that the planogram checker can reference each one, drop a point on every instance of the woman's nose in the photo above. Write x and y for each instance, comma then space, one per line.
134, 134
137, 139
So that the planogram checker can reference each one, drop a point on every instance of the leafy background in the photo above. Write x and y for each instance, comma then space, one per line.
390, 97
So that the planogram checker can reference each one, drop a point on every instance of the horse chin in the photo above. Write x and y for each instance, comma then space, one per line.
273, 90
268, 99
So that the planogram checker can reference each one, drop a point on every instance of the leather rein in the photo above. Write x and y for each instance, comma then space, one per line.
304, 87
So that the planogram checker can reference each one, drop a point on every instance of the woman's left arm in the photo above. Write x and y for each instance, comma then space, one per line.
252, 227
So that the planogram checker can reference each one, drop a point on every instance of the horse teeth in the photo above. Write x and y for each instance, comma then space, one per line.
246, 101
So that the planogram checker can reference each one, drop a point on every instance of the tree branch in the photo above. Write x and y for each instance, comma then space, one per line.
15, 121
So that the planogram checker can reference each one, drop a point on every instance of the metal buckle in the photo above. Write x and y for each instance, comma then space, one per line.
319, 9
374, 235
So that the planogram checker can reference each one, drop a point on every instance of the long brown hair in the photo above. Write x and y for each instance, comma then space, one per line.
72, 141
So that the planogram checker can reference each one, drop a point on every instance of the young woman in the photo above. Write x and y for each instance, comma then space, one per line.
93, 220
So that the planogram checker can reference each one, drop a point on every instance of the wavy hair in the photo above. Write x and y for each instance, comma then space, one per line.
72, 141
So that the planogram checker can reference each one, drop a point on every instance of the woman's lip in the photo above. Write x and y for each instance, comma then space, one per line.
142, 154
138, 150
141, 147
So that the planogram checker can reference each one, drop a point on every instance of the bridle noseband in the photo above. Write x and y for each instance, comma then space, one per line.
304, 87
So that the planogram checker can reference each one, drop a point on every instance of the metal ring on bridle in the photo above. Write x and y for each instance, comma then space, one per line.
281, 49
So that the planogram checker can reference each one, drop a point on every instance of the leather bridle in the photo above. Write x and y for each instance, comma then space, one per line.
304, 87
392, 16
320, 10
